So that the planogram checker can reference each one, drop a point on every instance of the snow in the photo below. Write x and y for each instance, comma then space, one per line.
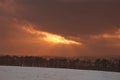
33, 73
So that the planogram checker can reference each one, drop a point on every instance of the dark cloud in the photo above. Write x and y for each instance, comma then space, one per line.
88, 0
71, 18
80, 18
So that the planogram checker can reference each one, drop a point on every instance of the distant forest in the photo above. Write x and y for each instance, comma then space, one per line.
102, 64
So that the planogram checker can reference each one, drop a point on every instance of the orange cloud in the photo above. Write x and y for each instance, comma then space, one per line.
115, 35
50, 37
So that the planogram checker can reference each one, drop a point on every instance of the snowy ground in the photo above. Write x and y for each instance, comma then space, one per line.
30, 73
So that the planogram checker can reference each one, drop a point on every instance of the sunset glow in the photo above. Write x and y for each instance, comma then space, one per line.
49, 37
115, 35
66, 28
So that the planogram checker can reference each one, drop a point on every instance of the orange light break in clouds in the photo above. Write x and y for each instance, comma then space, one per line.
50, 37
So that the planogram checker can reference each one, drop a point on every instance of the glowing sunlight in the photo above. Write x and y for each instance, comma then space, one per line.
49, 37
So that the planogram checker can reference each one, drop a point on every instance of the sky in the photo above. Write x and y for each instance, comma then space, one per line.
67, 28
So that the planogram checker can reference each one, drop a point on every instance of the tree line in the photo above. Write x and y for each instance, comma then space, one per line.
104, 64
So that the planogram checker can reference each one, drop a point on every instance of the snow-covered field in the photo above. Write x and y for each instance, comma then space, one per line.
31, 73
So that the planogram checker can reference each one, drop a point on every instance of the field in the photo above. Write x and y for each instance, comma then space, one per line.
33, 73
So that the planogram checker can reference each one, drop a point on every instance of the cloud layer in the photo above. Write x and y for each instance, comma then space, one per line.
95, 23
